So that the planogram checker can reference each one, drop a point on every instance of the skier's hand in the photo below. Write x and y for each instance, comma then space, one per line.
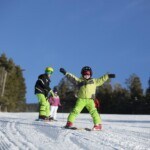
62, 70
111, 75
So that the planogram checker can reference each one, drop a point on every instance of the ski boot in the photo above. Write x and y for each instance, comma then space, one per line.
44, 118
68, 125
97, 127
51, 118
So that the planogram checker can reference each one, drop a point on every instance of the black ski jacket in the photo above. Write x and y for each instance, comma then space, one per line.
42, 85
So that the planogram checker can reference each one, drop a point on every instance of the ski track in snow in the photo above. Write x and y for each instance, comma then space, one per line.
19, 131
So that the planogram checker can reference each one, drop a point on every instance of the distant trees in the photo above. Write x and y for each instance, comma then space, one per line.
147, 99
67, 93
135, 87
12, 86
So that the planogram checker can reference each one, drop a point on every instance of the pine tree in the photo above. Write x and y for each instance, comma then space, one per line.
147, 99
121, 97
67, 91
104, 94
14, 95
135, 87
148, 90
136, 93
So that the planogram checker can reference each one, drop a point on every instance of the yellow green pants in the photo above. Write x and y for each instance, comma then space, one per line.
89, 104
44, 105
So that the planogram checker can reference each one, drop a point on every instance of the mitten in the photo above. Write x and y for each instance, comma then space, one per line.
62, 70
111, 75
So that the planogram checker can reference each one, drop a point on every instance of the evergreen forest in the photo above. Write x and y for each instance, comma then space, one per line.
12, 86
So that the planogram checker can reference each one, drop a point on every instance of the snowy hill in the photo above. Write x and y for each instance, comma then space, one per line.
19, 131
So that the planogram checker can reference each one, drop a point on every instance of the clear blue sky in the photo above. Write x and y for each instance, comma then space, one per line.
108, 35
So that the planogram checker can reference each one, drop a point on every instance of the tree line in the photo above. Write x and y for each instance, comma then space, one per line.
12, 86
113, 99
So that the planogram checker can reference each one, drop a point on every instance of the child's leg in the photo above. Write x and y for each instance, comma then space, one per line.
47, 108
52, 111
43, 104
55, 112
80, 104
93, 111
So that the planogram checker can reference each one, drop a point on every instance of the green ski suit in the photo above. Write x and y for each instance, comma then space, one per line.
86, 96
42, 90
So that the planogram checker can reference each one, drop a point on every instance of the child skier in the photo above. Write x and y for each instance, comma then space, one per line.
86, 95
42, 91
54, 103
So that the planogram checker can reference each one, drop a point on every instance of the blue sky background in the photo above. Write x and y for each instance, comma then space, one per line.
108, 35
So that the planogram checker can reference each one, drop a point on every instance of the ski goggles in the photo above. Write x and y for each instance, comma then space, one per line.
86, 73
49, 72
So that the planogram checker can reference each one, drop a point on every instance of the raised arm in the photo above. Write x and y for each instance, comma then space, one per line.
100, 81
70, 76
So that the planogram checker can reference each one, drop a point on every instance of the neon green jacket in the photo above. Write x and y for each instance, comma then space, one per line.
87, 88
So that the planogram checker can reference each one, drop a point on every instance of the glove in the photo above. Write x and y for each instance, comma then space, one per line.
62, 70
111, 75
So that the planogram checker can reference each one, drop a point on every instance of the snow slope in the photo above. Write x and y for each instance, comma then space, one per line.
19, 131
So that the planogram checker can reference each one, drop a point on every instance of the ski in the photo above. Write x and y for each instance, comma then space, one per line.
75, 128
82, 129
42, 120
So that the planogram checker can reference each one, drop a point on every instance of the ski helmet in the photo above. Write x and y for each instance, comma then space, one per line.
86, 71
49, 70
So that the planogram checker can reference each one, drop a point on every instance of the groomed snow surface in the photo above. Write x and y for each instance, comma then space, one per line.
20, 131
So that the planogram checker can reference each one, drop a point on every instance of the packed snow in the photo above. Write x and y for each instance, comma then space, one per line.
20, 131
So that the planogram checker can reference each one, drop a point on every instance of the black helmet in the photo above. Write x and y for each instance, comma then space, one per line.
86, 69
